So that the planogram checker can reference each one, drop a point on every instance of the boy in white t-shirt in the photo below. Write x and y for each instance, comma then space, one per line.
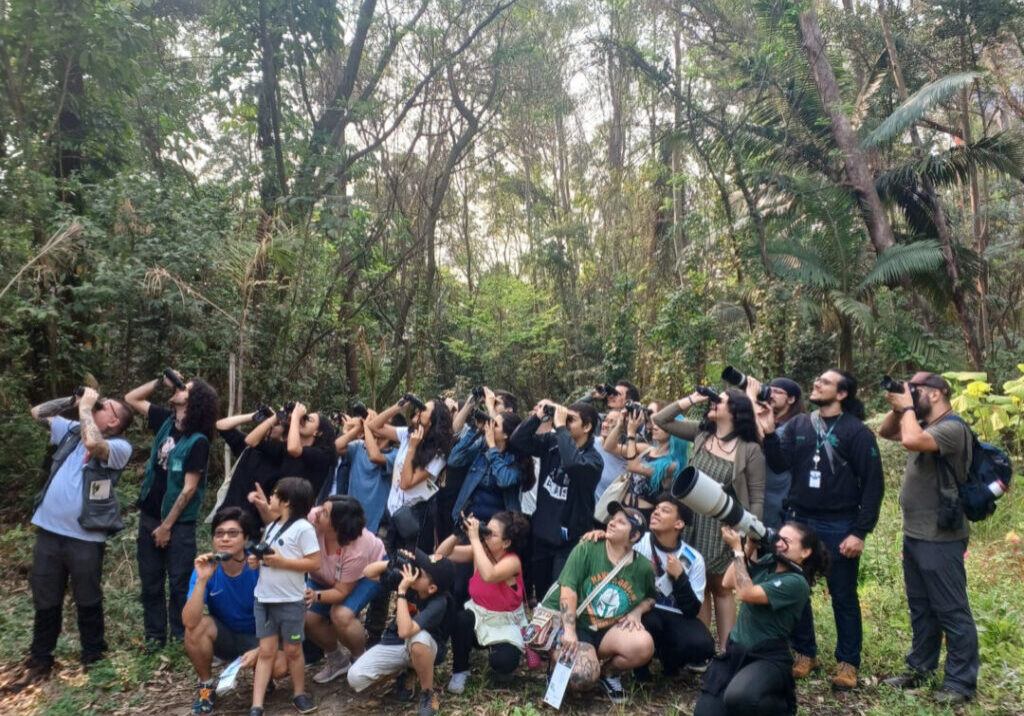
280, 609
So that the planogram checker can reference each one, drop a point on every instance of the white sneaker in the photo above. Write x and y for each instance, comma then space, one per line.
457, 684
336, 664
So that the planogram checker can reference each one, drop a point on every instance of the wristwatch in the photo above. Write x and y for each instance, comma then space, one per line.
906, 408
401, 595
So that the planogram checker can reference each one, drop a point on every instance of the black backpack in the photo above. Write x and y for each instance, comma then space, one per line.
988, 477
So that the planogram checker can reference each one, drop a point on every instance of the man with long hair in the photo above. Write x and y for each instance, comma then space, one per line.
169, 499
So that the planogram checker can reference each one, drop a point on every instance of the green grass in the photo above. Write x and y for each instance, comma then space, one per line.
131, 681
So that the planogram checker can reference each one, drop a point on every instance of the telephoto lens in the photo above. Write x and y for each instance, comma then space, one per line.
177, 382
764, 394
890, 385
708, 393
733, 377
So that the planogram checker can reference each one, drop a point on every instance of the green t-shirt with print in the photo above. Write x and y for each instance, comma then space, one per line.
787, 593
587, 565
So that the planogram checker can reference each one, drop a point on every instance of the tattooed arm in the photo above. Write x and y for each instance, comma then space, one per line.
567, 603
162, 534
737, 577
94, 441
44, 413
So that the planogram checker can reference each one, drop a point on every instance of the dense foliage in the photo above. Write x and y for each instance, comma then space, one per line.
356, 198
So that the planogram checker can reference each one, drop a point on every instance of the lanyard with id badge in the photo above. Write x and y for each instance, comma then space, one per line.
822, 440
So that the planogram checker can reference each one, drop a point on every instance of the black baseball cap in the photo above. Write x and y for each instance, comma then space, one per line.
635, 517
441, 572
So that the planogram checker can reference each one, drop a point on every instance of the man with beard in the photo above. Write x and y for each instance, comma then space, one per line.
786, 402
837, 489
937, 441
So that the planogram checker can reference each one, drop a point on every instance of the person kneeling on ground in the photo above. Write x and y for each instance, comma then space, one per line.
618, 590
493, 617
338, 591
754, 675
417, 636
224, 583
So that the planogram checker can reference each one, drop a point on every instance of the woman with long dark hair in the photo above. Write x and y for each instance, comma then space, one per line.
754, 675
306, 449
725, 447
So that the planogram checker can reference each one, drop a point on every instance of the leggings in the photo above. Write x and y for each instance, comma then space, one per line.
758, 689
503, 658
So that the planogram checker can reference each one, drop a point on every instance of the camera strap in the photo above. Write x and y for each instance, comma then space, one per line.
280, 532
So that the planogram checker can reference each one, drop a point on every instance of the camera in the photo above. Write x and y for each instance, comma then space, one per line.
262, 413
733, 377
258, 549
358, 410
175, 380
604, 388
702, 494
219, 557
708, 393
415, 401
478, 393
482, 529
480, 416
891, 385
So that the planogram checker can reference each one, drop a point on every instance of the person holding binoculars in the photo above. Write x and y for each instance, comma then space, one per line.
307, 450
170, 497
725, 447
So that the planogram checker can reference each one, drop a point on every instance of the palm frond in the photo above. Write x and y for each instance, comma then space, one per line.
802, 265
915, 107
903, 261
850, 307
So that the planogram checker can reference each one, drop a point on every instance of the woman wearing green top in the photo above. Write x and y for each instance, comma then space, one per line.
754, 675
609, 629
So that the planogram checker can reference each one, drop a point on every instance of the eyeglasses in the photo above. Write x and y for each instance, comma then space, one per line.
227, 533
824, 381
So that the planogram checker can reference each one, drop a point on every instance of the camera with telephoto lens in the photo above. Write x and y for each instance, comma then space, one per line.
258, 549
262, 412
219, 557
733, 377
605, 389
177, 382
478, 393
891, 385
414, 400
708, 393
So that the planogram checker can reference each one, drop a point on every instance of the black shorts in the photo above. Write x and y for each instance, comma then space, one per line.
589, 636
230, 645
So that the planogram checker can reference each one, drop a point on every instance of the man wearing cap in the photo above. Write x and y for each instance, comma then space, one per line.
617, 587
933, 554
417, 637
836, 489
786, 402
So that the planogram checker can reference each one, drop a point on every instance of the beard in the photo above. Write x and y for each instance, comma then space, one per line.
922, 407
821, 402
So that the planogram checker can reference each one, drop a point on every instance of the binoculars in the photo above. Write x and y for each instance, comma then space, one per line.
177, 382
414, 400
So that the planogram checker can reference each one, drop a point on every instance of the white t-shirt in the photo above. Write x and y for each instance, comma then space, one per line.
296, 542
398, 497
693, 568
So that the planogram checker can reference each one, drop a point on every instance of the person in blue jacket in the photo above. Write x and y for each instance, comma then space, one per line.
496, 473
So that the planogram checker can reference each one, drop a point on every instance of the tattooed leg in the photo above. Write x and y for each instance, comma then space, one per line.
586, 669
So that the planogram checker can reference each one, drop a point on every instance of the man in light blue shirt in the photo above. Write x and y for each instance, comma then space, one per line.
77, 496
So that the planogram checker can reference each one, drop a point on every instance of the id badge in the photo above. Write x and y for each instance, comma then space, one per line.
814, 479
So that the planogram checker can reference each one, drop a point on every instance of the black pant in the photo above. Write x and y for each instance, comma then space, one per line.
160, 565
55, 559
546, 563
503, 658
758, 689
936, 585
678, 640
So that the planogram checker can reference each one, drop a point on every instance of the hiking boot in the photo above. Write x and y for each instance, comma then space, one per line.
304, 704
34, 671
612, 686
845, 678
906, 680
803, 666
947, 696
457, 684
336, 664
428, 705
204, 701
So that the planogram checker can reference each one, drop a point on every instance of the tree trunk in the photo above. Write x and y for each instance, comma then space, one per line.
859, 174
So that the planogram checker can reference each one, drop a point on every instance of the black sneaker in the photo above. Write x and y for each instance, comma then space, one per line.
256, 711
947, 696
612, 686
304, 704
402, 692
906, 680
33, 671
428, 705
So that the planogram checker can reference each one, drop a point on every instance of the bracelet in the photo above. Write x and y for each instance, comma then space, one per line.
738, 553
906, 409
401, 595
631, 437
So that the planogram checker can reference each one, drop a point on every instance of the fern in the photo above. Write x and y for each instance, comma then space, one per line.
901, 262
916, 106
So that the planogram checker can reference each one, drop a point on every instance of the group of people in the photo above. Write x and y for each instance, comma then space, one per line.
465, 516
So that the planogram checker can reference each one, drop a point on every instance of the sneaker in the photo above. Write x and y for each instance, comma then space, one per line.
803, 666
457, 684
304, 704
947, 696
906, 680
699, 667
845, 678
402, 692
34, 671
336, 664
256, 711
613, 687
204, 701
428, 705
